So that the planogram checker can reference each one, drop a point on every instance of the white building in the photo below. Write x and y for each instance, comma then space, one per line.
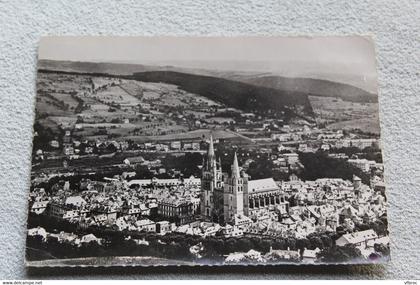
363, 164
146, 225
357, 238
76, 201
38, 207
291, 158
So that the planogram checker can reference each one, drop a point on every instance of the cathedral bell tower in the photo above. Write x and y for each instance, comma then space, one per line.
211, 181
234, 192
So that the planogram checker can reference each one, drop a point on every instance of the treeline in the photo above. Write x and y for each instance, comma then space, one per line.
234, 94
260, 167
57, 182
177, 245
37, 249
171, 245
44, 136
319, 165
186, 164
369, 153
80, 103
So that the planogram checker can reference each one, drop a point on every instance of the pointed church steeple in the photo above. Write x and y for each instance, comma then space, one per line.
211, 184
211, 157
235, 167
210, 152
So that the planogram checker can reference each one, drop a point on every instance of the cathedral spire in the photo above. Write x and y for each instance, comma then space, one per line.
235, 167
210, 152
211, 157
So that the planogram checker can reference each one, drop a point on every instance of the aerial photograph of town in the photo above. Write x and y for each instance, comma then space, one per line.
206, 151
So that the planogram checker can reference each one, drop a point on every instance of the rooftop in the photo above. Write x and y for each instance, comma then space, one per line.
357, 237
262, 185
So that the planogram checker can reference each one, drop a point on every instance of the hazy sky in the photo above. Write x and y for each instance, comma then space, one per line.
346, 59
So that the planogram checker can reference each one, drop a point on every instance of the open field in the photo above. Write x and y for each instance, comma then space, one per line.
369, 125
116, 95
344, 114
132, 88
336, 106
117, 108
49, 106
49, 124
66, 99
148, 111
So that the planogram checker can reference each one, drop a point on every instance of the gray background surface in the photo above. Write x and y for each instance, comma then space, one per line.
395, 25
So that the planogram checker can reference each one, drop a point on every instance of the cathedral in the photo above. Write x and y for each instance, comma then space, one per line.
223, 196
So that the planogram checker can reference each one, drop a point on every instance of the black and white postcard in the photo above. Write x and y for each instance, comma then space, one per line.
206, 151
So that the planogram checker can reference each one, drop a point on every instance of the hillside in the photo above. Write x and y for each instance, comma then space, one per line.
92, 67
287, 85
234, 94
312, 87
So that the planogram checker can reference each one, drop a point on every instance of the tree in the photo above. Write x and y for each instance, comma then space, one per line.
326, 241
382, 249
303, 243
319, 165
291, 243
213, 248
315, 242
244, 245
279, 244
340, 254
380, 227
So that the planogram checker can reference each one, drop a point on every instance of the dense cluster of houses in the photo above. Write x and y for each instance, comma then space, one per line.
322, 206
64, 237
74, 149
172, 205
364, 241
120, 204
161, 206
